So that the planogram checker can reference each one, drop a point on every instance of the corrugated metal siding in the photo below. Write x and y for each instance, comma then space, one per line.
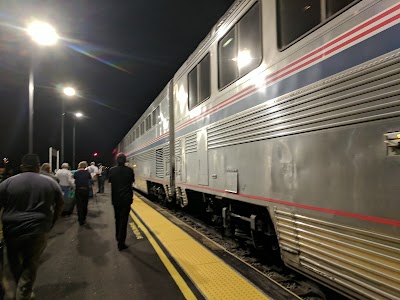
367, 93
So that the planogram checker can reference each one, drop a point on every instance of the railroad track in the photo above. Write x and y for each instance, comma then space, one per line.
265, 266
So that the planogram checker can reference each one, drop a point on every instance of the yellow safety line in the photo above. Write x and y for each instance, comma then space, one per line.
180, 282
238, 258
212, 276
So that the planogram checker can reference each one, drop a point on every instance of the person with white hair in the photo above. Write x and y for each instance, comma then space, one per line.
66, 180
94, 171
45, 169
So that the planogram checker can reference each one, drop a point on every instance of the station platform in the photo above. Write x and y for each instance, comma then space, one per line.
162, 261
83, 262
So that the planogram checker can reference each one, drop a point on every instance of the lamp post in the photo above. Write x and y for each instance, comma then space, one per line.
45, 35
76, 116
69, 92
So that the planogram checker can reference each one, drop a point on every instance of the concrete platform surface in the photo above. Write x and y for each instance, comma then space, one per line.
83, 262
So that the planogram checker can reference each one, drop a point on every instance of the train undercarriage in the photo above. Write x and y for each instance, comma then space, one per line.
249, 224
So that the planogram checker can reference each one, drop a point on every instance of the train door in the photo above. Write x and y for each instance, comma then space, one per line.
180, 160
202, 155
166, 162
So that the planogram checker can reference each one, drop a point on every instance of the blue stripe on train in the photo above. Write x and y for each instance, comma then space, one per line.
377, 45
362, 52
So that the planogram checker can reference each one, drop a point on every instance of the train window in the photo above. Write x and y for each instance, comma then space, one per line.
193, 96
153, 118
228, 71
249, 55
240, 49
204, 79
148, 122
333, 6
199, 82
142, 128
156, 115
296, 18
137, 133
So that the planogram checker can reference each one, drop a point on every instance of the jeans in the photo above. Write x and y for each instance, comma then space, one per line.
21, 261
101, 183
65, 190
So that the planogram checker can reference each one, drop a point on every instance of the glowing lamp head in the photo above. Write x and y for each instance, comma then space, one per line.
42, 33
95, 154
79, 115
69, 91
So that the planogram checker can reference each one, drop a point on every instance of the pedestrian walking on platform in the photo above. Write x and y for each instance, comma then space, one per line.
45, 170
101, 178
94, 171
121, 178
31, 204
65, 177
82, 185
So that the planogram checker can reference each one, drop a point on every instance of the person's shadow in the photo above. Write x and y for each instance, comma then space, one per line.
91, 244
59, 290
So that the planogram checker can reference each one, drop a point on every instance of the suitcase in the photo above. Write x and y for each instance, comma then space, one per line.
69, 204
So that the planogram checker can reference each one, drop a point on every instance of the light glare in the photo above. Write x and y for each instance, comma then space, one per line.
244, 58
42, 33
69, 91
78, 115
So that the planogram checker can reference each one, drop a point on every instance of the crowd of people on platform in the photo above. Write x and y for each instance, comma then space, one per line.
32, 201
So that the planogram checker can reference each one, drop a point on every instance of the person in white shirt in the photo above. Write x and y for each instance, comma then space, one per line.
101, 178
94, 171
66, 180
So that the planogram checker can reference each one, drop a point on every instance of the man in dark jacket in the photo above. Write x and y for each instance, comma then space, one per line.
121, 178
31, 203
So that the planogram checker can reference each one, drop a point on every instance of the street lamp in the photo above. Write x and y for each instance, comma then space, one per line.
42, 33
69, 92
45, 35
76, 116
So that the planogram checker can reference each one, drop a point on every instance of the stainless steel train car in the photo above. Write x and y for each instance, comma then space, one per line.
284, 126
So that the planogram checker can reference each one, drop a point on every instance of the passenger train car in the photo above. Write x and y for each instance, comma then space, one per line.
284, 125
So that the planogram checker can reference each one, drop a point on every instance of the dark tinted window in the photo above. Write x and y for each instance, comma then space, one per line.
199, 82
193, 88
296, 18
156, 116
204, 79
148, 122
249, 55
240, 51
142, 128
228, 70
333, 6
137, 133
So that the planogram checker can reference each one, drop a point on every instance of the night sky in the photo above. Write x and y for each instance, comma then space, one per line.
117, 54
